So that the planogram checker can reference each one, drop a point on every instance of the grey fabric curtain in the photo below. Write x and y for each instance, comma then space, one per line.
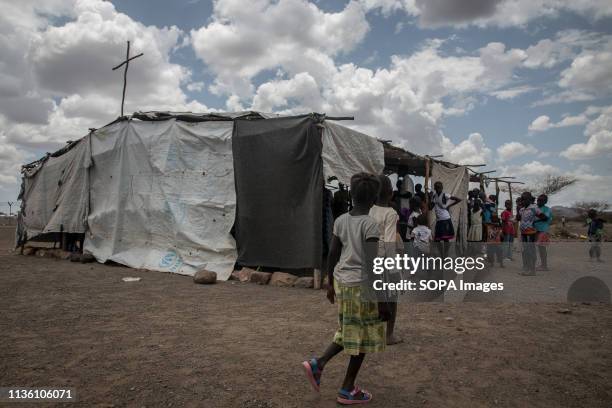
279, 184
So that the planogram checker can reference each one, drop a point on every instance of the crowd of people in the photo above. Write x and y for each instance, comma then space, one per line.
372, 211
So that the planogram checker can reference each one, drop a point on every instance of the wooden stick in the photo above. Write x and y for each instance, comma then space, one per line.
510, 191
427, 160
496, 196
127, 64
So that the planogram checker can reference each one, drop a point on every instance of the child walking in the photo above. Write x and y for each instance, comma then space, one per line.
387, 219
595, 234
361, 321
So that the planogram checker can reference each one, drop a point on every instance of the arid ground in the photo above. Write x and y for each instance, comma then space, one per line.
165, 341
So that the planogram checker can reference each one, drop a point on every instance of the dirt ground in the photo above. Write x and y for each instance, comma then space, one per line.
165, 341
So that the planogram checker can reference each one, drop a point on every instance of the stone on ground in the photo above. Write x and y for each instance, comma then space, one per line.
87, 258
242, 275
282, 279
304, 282
29, 251
260, 278
205, 277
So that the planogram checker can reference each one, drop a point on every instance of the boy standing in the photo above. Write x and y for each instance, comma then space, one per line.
362, 328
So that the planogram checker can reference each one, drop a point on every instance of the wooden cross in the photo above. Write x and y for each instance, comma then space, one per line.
126, 63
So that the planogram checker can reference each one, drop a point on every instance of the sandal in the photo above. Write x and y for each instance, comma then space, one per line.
313, 373
357, 396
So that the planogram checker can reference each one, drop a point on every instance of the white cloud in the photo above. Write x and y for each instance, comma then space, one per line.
510, 150
588, 77
565, 45
501, 13
241, 42
529, 171
540, 124
195, 86
599, 142
590, 72
56, 81
511, 93
470, 151
543, 123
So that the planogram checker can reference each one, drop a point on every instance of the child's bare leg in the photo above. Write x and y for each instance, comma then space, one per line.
329, 353
352, 371
543, 257
391, 337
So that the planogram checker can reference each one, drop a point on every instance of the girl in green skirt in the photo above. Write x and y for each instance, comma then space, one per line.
361, 320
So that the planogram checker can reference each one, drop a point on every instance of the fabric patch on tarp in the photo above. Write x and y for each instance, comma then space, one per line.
279, 186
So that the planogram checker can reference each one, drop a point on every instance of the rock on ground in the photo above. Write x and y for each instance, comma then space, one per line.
304, 282
282, 279
261, 278
29, 251
242, 275
205, 277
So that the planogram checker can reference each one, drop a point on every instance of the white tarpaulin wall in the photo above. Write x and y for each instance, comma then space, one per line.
346, 152
456, 183
163, 196
55, 193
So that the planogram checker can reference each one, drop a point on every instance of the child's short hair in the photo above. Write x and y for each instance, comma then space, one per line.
364, 188
421, 219
438, 183
386, 189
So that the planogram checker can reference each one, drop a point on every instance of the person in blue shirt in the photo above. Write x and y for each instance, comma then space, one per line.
542, 226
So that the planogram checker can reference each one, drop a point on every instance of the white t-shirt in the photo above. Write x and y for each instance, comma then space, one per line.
353, 231
440, 207
387, 218
421, 236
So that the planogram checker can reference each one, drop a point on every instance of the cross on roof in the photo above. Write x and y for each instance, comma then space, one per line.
126, 63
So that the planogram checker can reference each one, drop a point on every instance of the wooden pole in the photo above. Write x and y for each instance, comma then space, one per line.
126, 63
426, 186
496, 195
510, 191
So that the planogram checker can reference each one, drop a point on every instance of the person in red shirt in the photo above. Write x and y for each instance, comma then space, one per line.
508, 220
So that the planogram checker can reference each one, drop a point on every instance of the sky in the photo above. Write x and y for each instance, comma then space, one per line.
522, 85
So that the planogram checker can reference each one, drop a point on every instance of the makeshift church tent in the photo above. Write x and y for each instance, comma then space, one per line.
162, 190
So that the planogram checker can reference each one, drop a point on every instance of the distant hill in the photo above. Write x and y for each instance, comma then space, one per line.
560, 211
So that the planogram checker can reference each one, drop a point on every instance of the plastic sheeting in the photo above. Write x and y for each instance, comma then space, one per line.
346, 152
163, 196
279, 184
456, 183
55, 193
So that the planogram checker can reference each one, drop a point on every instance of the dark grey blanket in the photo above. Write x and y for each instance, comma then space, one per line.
279, 184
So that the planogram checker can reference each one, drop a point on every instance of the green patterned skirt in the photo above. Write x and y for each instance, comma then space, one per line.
361, 330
